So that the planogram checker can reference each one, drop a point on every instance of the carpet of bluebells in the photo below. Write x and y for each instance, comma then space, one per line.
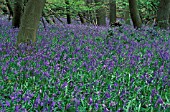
83, 68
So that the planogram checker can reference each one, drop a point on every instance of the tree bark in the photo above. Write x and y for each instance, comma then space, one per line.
48, 19
68, 11
30, 21
101, 13
3, 7
163, 14
18, 5
127, 15
89, 13
9, 7
169, 17
137, 22
24, 4
112, 6
81, 18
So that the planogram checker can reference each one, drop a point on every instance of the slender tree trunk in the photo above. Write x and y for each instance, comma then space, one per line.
30, 21
43, 22
127, 15
112, 7
48, 19
163, 14
137, 22
18, 6
88, 14
101, 13
9, 7
53, 19
81, 18
68, 11
3, 8
169, 17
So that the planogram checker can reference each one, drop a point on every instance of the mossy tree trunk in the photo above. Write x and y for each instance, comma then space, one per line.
101, 13
163, 14
30, 21
137, 22
24, 4
112, 6
17, 14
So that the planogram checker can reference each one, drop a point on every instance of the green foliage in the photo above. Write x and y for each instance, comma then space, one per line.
147, 8
59, 6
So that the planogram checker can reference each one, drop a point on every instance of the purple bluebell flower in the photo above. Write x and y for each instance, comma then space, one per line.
106, 110
116, 84
109, 87
17, 108
107, 95
8, 103
120, 110
154, 92
159, 101
64, 84
90, 101
96, 106
68, 106
112, 103
59, 105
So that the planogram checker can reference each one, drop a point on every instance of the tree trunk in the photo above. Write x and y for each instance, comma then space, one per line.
24, 4
68, 11
169, 17
163, 14
127, 15
30, 21
137, 23
9, 7
3, 8
48, 19
43, 22
89, 13
112, 7
18, 5
81, 18
101, 13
